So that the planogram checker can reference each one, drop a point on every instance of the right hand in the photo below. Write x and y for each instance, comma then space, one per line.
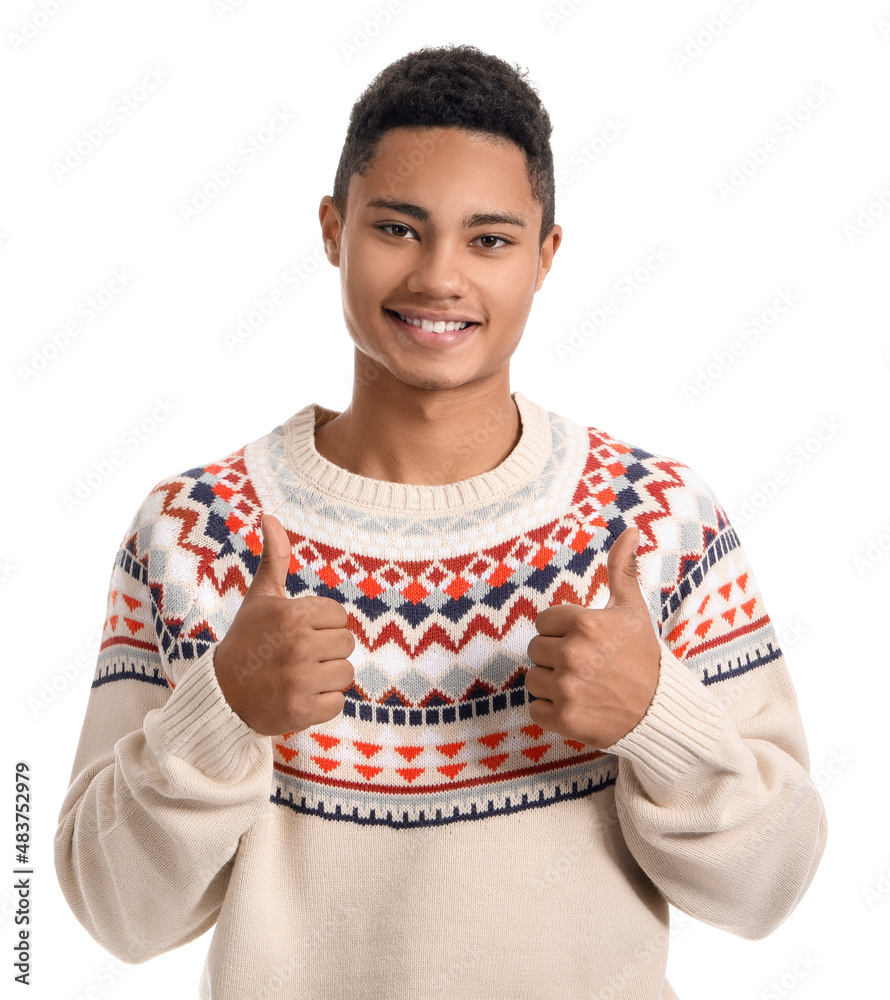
282, 664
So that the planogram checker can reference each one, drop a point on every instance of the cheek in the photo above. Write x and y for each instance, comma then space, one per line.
357, 282
511, 301
355, 257
515, 287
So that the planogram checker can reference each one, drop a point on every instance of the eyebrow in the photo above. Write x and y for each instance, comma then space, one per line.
469, 221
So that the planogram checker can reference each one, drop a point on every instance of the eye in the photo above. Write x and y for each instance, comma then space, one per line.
491, 236
399, 229
394, 225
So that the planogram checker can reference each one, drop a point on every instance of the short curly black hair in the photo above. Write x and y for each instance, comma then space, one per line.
456, 85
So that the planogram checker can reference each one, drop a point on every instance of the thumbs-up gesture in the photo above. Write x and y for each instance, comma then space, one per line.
282, 666
595, 671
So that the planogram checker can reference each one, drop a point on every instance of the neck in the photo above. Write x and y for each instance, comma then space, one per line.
398, 433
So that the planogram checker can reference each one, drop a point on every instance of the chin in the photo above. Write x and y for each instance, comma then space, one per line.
431, 381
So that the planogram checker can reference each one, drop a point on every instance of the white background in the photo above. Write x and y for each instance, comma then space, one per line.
808, 219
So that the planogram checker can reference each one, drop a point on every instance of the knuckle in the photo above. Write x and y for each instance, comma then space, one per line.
576, 646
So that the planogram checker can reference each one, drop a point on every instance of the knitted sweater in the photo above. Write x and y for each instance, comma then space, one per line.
431, 841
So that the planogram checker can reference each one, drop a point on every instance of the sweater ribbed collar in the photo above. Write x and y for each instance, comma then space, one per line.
523, 464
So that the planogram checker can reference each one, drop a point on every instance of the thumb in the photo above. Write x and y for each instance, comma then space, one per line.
271, 574
621, 570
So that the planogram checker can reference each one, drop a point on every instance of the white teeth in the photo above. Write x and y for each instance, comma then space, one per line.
430, 327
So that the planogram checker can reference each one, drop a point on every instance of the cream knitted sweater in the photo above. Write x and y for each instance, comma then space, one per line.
431, 841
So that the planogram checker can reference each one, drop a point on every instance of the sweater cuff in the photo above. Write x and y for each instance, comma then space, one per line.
683, 735
198, 725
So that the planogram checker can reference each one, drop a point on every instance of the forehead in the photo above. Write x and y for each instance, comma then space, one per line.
447, 168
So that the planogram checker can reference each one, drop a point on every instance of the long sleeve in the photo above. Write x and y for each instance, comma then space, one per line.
166, 776
713, 790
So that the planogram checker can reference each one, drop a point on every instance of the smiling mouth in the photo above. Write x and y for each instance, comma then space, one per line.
429, 326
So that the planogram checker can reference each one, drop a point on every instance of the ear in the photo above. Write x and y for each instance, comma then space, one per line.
549, 248
330, 221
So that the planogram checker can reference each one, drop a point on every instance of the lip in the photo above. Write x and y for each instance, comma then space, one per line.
448, 338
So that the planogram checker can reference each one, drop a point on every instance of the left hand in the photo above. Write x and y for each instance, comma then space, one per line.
594, 671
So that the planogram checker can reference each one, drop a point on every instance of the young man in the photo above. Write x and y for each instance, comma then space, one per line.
444, 695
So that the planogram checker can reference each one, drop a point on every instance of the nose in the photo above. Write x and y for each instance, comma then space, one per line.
439, 270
